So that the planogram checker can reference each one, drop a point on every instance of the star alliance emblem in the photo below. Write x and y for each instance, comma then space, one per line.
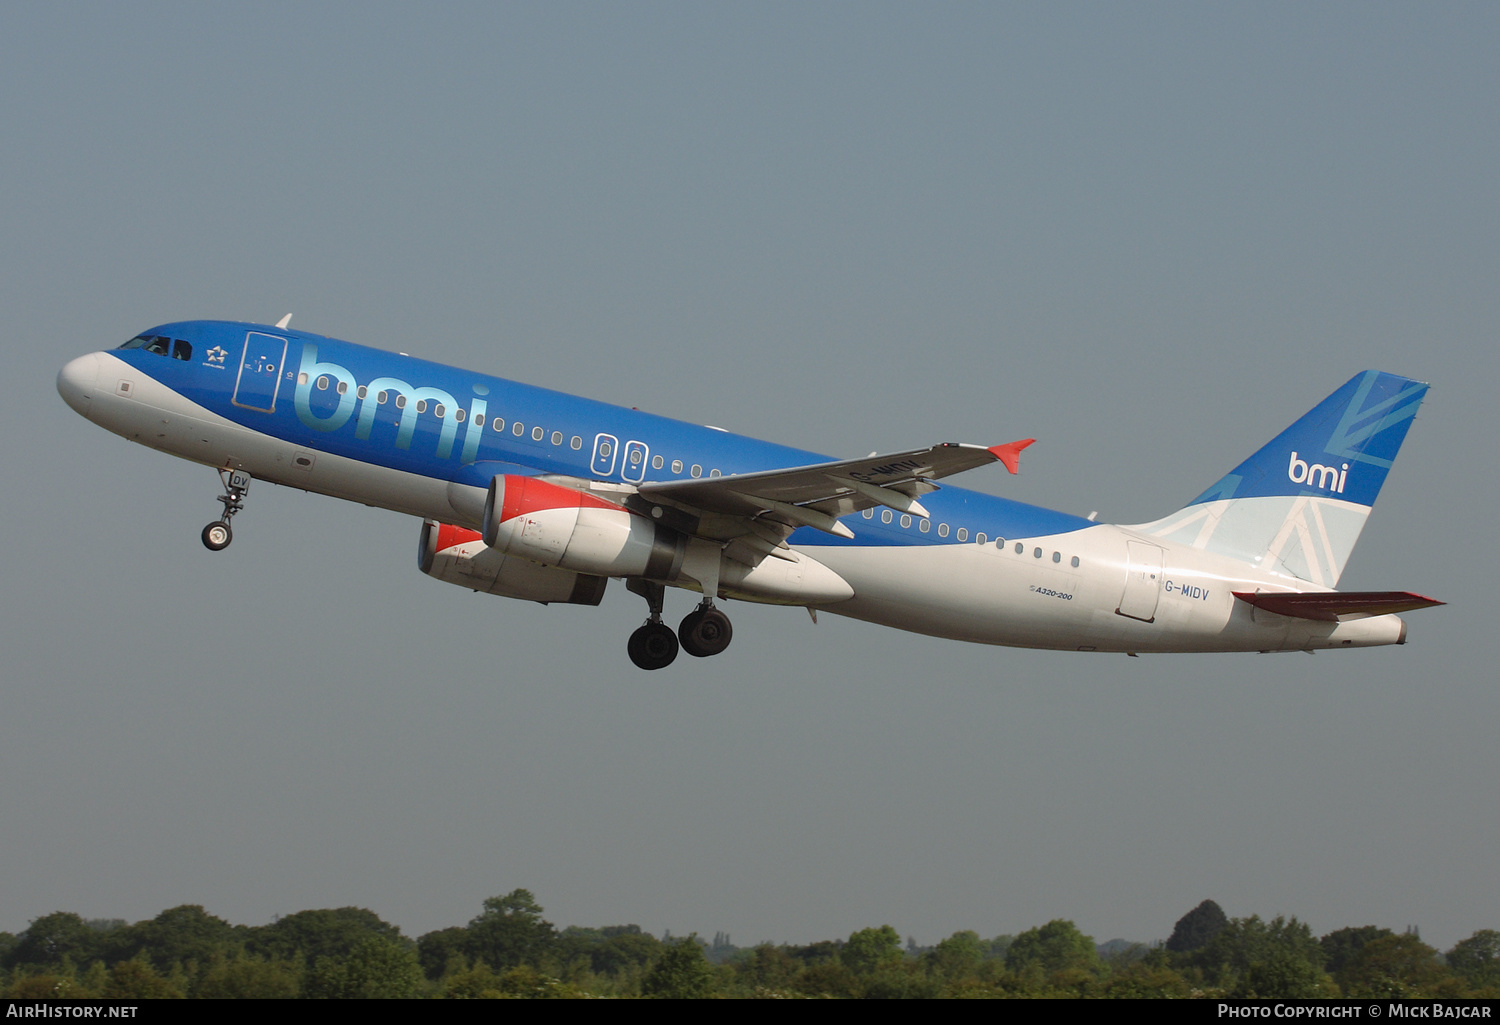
216, 355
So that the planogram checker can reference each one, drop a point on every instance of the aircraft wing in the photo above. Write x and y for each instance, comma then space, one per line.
1330, 606
817, 495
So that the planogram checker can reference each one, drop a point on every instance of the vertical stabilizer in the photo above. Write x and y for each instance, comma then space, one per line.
1297, 506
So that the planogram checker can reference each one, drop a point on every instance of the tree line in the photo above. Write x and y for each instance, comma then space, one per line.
509, 950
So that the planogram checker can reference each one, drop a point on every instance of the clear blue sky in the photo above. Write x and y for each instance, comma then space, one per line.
1149, 235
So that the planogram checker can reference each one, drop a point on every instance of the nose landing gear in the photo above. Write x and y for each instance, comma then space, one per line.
217, 535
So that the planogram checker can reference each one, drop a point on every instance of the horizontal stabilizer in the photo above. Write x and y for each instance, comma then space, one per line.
1329, 606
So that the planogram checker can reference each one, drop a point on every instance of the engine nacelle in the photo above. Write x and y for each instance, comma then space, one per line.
570, 529
458, 556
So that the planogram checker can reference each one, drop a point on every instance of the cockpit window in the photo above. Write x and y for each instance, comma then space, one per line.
161, 345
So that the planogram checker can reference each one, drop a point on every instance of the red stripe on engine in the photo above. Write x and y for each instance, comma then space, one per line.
450, 536
529, 495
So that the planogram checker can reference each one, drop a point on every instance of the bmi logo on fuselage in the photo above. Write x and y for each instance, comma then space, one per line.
1317, 475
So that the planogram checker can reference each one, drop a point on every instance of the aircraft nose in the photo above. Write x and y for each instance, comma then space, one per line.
75, 382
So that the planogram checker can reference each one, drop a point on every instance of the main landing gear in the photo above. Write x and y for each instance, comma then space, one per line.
705, 631
217, 535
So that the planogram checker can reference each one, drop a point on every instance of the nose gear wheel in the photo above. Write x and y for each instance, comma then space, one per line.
217, 535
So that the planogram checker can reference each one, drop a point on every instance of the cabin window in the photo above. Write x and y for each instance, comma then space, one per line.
361, 392
885, 516
1020, 548
343, 388
635, 457
1037, 553
498, 423
905, 520
322, 384
677, 466
380, 397
924, 526
1000, 543
302, 378
557, 437
605, 449
714, 473
868, 514
421, 405
980, 539
656, 462
942, 530
576, 443
478, 419
441, 410
518, 428
537, 434
963, 533
1075, 562
1057, 556
400, 401
458, 414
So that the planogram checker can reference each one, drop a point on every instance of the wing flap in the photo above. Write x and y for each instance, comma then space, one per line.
817, 495
1331, 606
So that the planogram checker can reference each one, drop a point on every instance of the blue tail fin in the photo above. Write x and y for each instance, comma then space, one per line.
1297, 505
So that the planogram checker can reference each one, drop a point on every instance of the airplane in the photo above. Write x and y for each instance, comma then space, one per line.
539, 495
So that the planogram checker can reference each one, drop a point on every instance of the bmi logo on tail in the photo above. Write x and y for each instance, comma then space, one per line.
1326, 477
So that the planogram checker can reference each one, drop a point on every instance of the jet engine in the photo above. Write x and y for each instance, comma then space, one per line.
574, 530
461, 557
558, 526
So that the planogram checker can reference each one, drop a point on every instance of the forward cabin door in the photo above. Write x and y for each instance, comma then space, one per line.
260, 372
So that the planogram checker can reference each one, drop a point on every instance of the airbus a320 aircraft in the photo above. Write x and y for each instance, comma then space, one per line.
534, 494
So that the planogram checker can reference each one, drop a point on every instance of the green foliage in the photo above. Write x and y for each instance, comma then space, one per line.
43, 987
821, 952
680, 973
767, 969
1194, 929
310, 935
437, 950
378, 967
869, 950
1476, 960
249, 978
52, 938
1395, 967
510, 931
176, 936
1056, 947
137, 980
477, 983
957, 956
509, 951
1250, 958
1341, 946
624, 952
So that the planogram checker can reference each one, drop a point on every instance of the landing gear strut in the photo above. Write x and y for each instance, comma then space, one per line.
653, 645
217, 535
705, 631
